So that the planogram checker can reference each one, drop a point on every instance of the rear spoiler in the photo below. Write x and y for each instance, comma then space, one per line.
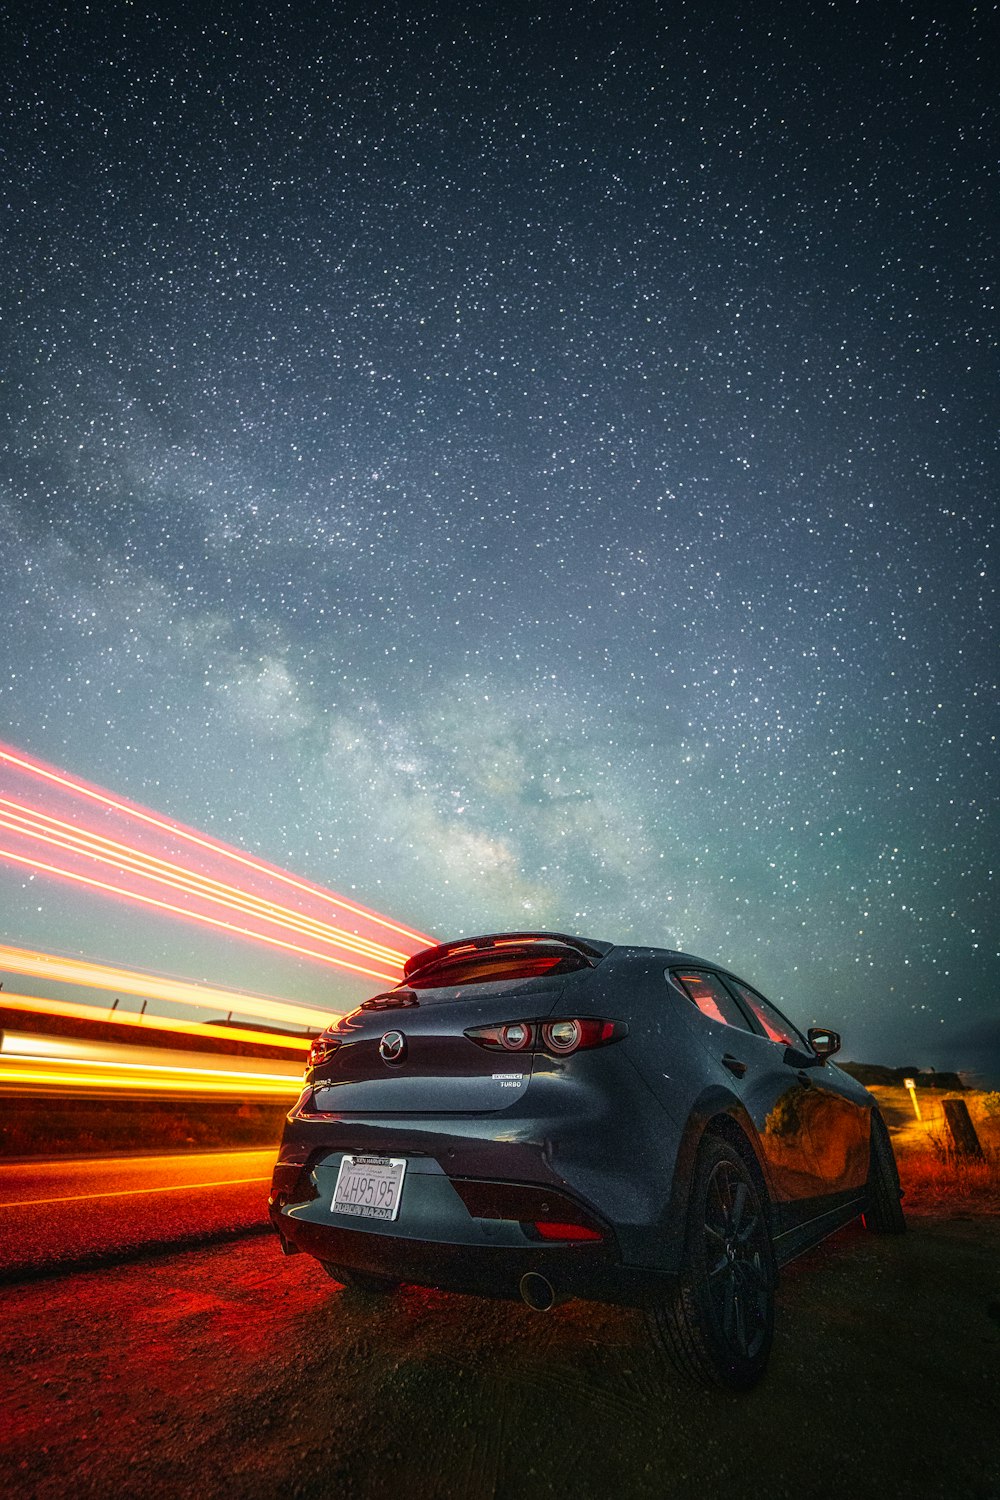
427, 958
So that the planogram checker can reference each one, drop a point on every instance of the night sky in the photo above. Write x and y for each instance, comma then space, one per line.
523, 467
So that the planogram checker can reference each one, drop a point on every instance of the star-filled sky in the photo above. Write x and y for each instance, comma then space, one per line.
522, 466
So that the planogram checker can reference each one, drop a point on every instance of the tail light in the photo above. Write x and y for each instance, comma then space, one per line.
516, 1038
547, 1230
322, 1048
563, 1036
543, 1212
558, 1038
292, 1182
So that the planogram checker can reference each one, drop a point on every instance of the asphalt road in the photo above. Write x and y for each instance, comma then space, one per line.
58, 1216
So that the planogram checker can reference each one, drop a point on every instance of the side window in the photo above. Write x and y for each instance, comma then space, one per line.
711, 997
774, 1024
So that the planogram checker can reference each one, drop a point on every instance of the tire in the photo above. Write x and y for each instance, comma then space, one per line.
716, 1322
360, 1281
883, 1210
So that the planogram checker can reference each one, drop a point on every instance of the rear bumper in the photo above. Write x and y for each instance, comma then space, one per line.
438, 1242
477, 1270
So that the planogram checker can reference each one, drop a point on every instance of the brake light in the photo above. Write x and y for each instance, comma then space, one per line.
322, 1048
550, 1231
559, 1038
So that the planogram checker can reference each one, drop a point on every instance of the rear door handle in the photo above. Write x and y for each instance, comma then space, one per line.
734, 1065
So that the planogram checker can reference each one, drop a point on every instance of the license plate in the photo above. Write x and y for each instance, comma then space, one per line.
369, 1187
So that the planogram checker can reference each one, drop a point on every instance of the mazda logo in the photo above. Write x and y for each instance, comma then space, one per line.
392, 1047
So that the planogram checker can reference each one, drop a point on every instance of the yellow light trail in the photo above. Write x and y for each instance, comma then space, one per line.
80, 971
54, 1081
66, 1010
71, 1065
29, 822
178, 830
174, 1187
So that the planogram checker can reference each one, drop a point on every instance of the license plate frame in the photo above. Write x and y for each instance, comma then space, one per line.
369, 1186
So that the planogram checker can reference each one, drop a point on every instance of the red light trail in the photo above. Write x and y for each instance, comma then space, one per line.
19, 762
154, 855
20, 818
58, 834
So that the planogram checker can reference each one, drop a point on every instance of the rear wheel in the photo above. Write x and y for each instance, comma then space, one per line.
361, 1281
717, 1322
883, 1211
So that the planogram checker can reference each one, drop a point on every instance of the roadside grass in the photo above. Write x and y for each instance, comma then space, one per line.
939, 1179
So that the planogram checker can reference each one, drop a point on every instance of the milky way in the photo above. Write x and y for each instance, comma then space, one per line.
527, 466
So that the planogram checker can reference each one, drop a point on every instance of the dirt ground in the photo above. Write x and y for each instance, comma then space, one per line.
235, 1372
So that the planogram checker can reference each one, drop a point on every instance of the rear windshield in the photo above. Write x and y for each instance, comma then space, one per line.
479, 968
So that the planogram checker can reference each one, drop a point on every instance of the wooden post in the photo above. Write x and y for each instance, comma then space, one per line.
963, 1132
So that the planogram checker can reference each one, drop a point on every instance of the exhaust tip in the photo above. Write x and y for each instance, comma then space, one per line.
288, 1247
537, 1291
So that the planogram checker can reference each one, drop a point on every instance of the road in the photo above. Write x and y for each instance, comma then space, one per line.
62, 1215
233, 1372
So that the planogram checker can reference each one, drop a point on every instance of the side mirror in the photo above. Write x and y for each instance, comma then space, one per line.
825, 1043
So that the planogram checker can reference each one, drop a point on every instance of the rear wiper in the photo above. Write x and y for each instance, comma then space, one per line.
391, 1000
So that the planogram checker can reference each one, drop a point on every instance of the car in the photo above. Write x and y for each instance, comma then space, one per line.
542, 1115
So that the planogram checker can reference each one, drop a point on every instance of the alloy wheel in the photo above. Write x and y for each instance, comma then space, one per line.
736, 1259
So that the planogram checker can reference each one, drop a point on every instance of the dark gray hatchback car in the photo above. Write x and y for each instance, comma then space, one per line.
549, 1116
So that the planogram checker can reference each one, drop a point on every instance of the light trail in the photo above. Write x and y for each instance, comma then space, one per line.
72, 1066
51, 1080
83, 972
29, 822
179, 911
173, 1187
49, 826
78, 788
127, 1020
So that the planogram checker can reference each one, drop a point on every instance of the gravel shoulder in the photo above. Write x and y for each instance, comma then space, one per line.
233, 1371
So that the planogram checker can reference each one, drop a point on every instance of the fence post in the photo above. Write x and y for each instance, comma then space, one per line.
963, 1132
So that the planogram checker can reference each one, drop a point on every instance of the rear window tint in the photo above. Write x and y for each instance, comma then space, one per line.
774, 1024
712, 998
480, 968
